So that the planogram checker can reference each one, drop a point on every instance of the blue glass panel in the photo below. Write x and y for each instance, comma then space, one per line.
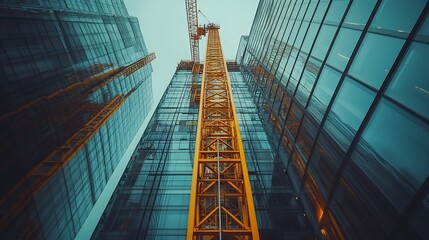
310, 11
398, 15
410, 84
323, 41
343, 47
307, 81
325, 87
359, 13
348, 110
399, 141
375, 58
320, 11
309, 38
336, 11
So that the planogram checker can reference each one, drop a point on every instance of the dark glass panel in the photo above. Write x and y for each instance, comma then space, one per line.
294, 119
325, 162
306, 136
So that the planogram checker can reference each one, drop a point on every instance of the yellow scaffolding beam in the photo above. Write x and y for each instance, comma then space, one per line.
221, 203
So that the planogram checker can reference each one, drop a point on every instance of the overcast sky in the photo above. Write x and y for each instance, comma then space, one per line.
164, 28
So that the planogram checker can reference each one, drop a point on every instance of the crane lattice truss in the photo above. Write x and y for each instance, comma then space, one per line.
221, 204
192, 15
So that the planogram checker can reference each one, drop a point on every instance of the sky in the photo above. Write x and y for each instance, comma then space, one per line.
164, 28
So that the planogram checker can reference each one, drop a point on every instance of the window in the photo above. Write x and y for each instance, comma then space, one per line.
359, 13
325, 87
309, 38
320, 11
336, 11
294, 119
398, 15
306, 136
375, 58
311, 71
348, 110
343, 48
398, 141
323, 41
325, 162
410, 84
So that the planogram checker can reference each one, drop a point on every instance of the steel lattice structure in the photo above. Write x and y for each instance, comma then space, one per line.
221, 204
192, 17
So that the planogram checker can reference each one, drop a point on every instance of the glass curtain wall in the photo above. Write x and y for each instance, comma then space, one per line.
152, 199
343, 88
64, 65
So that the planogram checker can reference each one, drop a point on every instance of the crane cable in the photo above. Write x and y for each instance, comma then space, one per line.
208, 21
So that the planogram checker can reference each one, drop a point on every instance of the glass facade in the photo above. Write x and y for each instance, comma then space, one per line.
75, 83
342, 87
152, 198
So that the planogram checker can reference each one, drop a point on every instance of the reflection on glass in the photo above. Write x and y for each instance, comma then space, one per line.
343, 48
361, 208
320, 11
349, 109
325, 87
307, 81
309, 38
294, 119
306, 136
398, 15
336, 11
375, 58
416, 228
359, 13
300, 37
323, 41
410, 85
325, 161
399, 141
310, 11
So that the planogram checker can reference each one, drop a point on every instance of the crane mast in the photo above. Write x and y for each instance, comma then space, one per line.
221, 203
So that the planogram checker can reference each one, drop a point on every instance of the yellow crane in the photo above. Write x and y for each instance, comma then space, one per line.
221, 203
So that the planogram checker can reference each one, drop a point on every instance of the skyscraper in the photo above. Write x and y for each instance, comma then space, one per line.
342, 86
152, 198
75, 88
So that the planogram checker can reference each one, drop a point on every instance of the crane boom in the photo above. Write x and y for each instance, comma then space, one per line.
221, 202
194, 37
